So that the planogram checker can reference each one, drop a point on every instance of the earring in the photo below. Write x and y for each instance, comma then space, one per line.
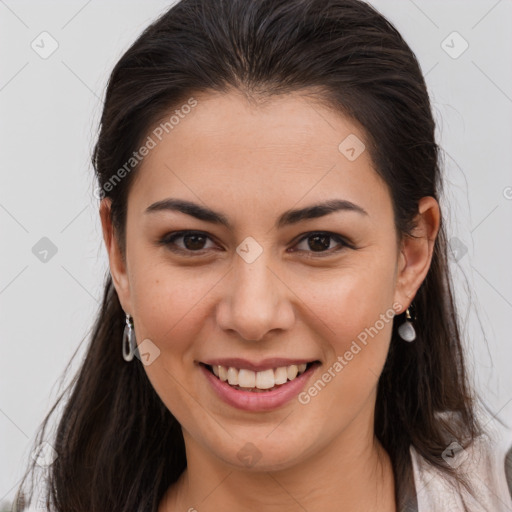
406, 331
129, 343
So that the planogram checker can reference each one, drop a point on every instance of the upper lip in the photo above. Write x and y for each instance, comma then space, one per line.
265, 364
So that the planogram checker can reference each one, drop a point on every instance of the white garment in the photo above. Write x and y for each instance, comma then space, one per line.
484, 465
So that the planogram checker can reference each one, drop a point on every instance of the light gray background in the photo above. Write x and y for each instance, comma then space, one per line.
50, 109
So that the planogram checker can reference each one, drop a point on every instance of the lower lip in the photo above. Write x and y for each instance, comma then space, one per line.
254, 401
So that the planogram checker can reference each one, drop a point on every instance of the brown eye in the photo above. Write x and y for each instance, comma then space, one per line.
196, 242
320, 242
193, 241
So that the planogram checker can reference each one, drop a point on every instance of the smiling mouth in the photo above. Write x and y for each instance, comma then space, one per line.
258, 382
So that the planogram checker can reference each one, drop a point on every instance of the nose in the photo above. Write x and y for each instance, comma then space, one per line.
255, 301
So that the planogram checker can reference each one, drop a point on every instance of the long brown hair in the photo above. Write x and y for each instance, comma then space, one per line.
118, 447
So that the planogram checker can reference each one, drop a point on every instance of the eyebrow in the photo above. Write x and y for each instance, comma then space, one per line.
287, 218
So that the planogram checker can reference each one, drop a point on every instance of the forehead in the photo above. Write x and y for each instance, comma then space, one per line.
229, 151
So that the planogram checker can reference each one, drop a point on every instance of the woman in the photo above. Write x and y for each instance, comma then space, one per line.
277, 330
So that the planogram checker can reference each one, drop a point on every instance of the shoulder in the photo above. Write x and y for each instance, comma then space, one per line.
486, 464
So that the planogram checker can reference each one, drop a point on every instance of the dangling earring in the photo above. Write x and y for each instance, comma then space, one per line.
406, 331
129, 343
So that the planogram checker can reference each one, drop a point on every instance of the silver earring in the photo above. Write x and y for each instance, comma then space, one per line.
129, 343
406, 331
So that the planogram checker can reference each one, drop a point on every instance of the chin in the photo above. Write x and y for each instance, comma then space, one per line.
263, 453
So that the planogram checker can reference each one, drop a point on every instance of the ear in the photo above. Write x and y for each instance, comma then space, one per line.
416, 251
117, 263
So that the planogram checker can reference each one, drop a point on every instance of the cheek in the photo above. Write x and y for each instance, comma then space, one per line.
360, 321
353, 297
355, 307
171, 307
170, 303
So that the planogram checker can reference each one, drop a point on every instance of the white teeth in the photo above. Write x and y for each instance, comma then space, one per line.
233, 376
292, 371
246, 378
223, 373
280, 375
265, 379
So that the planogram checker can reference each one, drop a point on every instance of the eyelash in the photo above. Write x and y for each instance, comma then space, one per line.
169, 239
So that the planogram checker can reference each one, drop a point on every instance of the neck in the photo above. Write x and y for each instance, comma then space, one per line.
354, 472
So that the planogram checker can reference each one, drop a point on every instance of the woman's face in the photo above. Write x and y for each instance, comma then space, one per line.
260, 291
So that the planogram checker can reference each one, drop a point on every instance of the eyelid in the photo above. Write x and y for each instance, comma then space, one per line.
341, 240
169, 238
